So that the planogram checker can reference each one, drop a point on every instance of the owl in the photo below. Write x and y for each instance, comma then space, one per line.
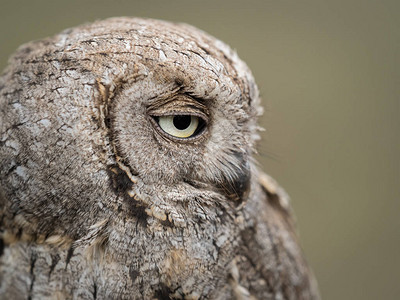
127, 171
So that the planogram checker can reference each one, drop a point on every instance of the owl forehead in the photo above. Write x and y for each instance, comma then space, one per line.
170, 53
151, 40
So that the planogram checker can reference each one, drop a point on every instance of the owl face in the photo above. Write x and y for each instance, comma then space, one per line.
165, 111
186, 117
197, 132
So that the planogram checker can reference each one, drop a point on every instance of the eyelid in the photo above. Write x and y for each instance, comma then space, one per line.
180, 113
181, 104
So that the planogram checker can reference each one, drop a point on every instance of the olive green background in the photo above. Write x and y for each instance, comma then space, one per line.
329, 76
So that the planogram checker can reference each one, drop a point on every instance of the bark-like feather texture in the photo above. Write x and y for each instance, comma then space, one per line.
98, 202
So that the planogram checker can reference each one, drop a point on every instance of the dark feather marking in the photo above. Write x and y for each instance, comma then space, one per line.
133, 273
69, 256
120, 184
94, 290
163, 293
1, 247
54, 260
31, 271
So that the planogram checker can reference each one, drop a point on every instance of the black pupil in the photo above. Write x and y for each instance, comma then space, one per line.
182, 122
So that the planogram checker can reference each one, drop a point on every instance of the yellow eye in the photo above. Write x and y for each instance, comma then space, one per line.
180, 126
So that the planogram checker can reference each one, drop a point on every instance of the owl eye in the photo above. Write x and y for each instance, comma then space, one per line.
181, 126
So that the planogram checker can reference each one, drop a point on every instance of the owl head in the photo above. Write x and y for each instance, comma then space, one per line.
145, 118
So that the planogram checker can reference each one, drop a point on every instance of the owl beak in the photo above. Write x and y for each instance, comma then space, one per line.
237, 189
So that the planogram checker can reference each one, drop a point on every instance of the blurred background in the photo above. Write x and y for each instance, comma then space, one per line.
329, 76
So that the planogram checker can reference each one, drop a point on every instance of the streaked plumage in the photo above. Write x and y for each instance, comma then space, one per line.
100, 199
